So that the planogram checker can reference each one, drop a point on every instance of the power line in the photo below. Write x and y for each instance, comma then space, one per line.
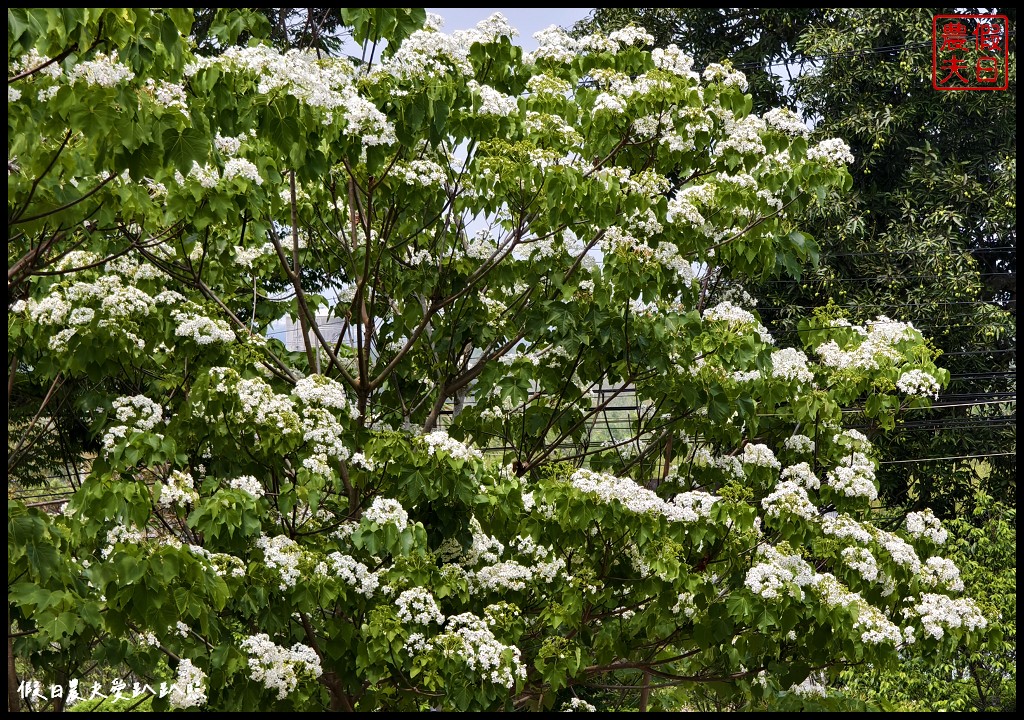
923, 250
949, 457
879, 278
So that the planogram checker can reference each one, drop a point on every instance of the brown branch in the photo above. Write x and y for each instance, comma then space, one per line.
64, 207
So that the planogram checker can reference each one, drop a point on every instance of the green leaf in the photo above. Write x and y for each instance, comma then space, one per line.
184, 147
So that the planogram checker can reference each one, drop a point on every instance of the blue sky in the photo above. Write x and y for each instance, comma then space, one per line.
526, 20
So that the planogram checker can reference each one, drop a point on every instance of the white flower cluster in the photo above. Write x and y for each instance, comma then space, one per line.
510, 575
683, 207
123, 535
779, 574
428, 55
202, 329
469, 638
417, 605
844, 526
104, 70
550, 125
854, 476
918, 382
695, 504
801, 474
493, 102
578, 705
189, 688
668, 256
138, 412
685, 605
799, 444
610, 103
32, 60
742, 136
439, 440
260, 405
320, 390
425, 173
877, 628
633, 497
178, 489
760, 455
675, 61
942, 573
363, 462
938, 612
491, 30
322, 429
787, 121
791, 364
901, 552
729, 464
352, 572
553, 44
240, 167
789, 496
169, 95
544, 84
716, 72
737, 318
248, 484
245, 257
279, 668
485, 548
878, 342
925, 524
809, 688
833, 151
308, 78
385, 510
205, 175
861, 560
228, 146
834, 593
282, 554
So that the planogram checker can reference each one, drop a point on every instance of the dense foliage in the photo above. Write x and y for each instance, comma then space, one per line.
417, 513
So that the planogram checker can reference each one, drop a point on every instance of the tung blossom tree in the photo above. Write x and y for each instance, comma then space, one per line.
422, 510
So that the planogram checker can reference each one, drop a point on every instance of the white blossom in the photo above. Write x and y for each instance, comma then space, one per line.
925, 524
384, 511
861, 560
941, 573
178, 489
417, 605
104, 70
279, 668
239, 167
791, 364
918, 382
440, 440
189, 688
578, 705
799, 443
940, 612
282, 554
832, 151
354, 573
248, 484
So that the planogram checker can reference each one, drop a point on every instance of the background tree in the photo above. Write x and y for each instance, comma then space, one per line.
341, 527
